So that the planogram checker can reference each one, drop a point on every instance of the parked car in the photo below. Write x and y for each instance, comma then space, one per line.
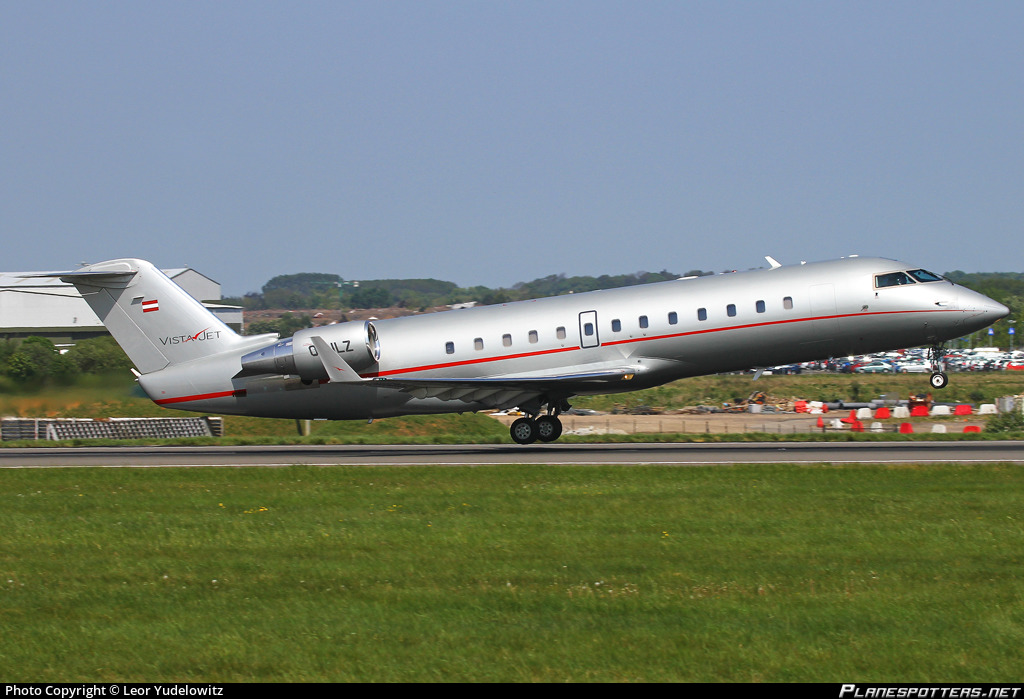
876, 367
914, 368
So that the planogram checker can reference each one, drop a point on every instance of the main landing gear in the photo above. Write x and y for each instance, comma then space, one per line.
938, 378
527, 430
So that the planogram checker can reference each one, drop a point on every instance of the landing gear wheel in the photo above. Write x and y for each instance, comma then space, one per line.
935, 354
524, 431
549, 428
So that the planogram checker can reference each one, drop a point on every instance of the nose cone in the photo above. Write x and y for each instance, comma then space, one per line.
989, 309
981, 310
996, 310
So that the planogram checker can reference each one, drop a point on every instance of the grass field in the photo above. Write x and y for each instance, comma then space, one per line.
513, 573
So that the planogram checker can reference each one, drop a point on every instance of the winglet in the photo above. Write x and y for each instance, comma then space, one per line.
338, 370
773, 262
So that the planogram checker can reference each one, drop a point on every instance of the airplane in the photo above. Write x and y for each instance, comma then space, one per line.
535, 355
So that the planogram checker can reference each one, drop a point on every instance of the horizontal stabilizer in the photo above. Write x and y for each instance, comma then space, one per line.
97, 278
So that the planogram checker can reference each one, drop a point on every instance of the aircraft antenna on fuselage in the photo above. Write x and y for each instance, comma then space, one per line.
773, 262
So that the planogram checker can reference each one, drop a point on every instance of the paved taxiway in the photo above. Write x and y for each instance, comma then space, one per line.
552, 454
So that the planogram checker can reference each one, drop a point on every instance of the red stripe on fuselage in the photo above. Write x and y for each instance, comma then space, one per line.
539, 353
469, 362
767, 323
202, 396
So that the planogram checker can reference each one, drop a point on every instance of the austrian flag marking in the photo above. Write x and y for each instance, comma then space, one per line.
150, 305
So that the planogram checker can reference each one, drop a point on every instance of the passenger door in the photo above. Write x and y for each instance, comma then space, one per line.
588, 329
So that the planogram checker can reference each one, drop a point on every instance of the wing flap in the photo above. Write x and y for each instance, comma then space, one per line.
504, 391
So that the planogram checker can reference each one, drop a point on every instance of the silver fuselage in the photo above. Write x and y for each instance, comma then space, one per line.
658, 332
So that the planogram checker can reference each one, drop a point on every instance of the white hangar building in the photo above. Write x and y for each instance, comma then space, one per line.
47, 307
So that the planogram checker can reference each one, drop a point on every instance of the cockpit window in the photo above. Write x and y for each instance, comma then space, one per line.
923, 275
892, 279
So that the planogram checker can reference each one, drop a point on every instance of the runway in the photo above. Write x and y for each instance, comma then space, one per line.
491, 454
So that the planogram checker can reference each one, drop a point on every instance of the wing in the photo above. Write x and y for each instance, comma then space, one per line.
508, 391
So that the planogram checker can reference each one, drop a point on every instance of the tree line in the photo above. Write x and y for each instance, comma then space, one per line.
1008, 289
330, 291
37, 361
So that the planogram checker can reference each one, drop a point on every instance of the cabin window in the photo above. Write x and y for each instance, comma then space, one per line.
449, 348
560, 333
893, 279
533, 337
673, 318
760, 306
588, 329
702, 314
506, 340
478, 343
787, 303
730, 310
616, 325
643, 322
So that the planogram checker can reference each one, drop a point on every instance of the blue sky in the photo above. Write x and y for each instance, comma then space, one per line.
493, 142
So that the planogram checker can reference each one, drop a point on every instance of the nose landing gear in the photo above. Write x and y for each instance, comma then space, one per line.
938, 378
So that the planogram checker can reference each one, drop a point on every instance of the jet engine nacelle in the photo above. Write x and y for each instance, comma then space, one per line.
356, 342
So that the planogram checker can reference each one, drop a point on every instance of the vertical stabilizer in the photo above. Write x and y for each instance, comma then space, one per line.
156, 322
